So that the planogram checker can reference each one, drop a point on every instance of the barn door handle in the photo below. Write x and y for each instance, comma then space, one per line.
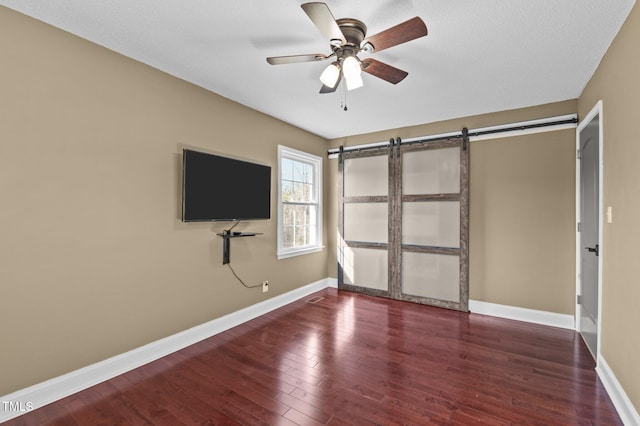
593, 249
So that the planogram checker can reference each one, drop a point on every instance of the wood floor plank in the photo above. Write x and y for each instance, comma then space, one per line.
316, 413
357, 360
299, 418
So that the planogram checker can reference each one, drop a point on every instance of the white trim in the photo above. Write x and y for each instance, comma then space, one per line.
596, 110
335, 152
299, 251
627, 412
455, 134
522, 314
520, 132
316, 162
523, 132
60, 387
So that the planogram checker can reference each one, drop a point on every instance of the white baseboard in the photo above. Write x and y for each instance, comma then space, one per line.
523, 314
627, 412
36, 396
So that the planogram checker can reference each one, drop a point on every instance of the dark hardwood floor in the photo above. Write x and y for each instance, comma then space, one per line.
354, 359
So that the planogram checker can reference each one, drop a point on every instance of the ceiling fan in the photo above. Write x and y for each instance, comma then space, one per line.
347, 39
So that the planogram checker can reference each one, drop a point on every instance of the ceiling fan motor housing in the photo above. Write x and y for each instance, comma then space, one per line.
354, 31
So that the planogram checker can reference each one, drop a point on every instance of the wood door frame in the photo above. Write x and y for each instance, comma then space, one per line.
595, 111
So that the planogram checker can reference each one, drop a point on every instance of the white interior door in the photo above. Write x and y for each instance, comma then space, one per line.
588, 312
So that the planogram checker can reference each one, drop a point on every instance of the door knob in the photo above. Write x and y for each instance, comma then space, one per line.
593, 249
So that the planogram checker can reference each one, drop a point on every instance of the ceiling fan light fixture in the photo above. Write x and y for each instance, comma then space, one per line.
354, 82
352, 72
331, 75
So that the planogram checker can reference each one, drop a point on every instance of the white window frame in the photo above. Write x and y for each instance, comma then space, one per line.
316, 163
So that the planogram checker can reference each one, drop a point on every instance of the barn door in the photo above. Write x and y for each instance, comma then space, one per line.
432, 211
407, 240
363, 240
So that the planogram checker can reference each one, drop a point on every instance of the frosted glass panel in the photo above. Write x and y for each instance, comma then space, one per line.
365, 268
433, 171
366, 222
366, 176
434, 223
435, 276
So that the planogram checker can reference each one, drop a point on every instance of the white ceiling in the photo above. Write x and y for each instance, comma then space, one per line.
479, 56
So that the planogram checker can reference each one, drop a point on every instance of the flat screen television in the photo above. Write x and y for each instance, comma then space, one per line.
222, 188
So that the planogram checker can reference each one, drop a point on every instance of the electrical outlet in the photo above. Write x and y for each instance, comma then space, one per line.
265, 286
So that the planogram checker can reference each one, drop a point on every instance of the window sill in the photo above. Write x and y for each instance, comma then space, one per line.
298, 252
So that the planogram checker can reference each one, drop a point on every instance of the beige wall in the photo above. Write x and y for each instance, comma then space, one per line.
522, 215
93, 258
617, 83
522, 209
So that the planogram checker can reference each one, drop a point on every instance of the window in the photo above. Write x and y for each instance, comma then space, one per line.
299, 202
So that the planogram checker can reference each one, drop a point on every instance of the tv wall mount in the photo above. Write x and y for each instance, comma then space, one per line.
227, 235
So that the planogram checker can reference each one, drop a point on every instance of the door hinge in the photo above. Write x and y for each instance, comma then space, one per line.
578, 299
579, 227
578, 154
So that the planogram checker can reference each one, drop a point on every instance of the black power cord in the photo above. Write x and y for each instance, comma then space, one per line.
239, 279
228, 231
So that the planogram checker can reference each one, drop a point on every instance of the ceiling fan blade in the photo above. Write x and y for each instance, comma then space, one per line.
323, 19
384, 71
408, 30
292, 59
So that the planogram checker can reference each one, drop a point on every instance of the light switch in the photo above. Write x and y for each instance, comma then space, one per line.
609, 215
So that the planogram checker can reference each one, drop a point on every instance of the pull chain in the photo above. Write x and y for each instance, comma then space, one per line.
343, 103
